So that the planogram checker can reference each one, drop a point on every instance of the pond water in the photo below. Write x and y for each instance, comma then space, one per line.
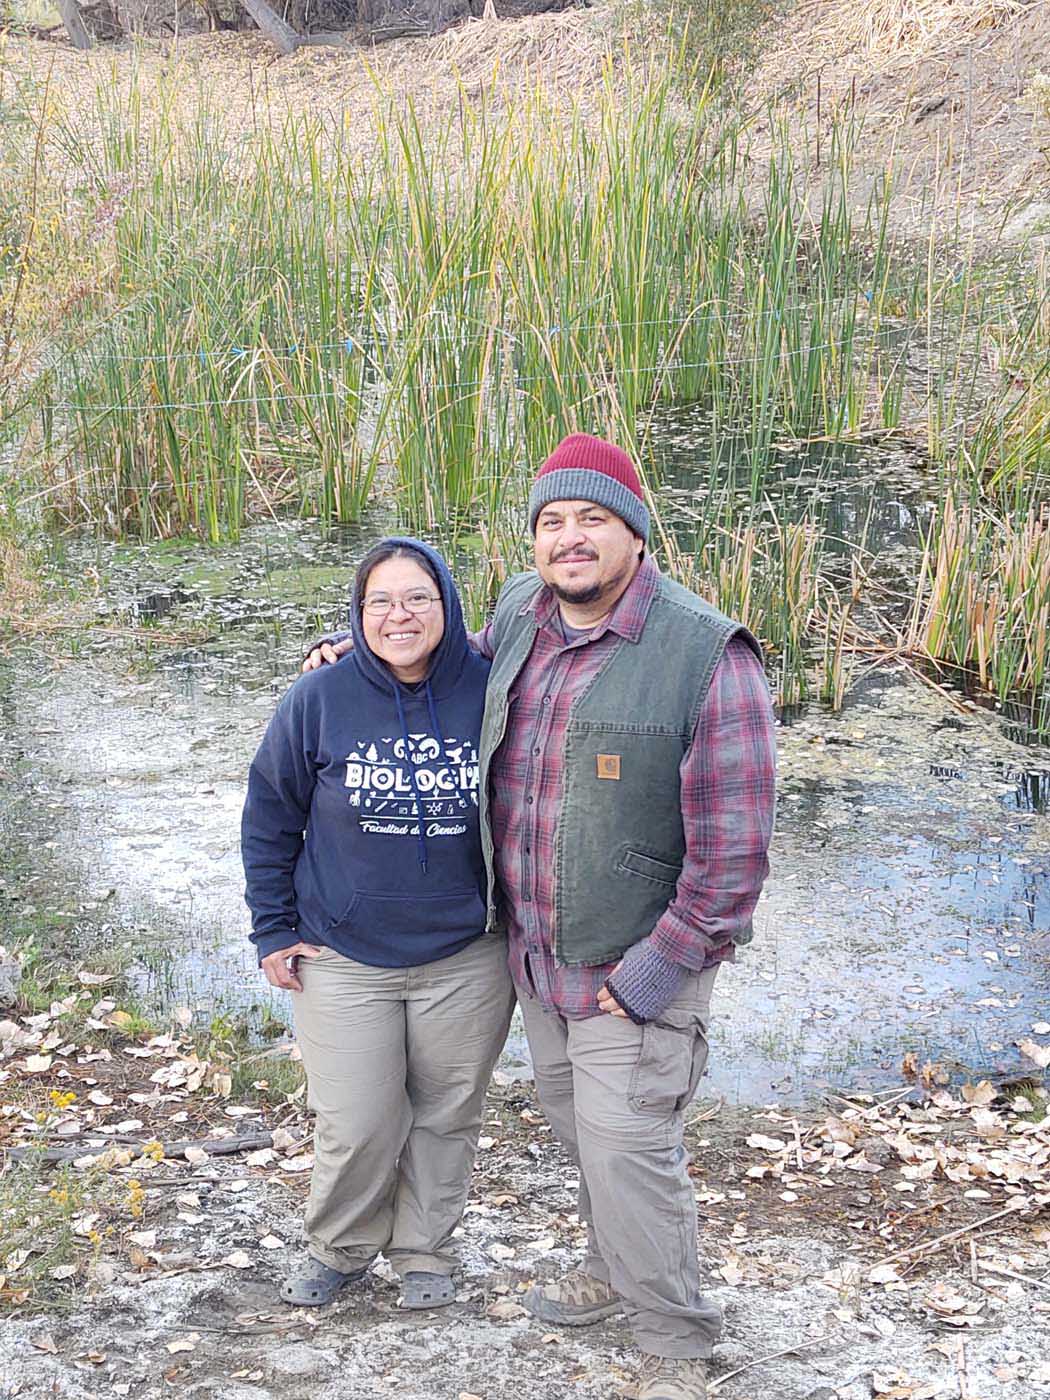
909, 902
859, 495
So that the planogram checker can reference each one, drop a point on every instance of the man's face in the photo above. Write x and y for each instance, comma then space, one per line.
585, 553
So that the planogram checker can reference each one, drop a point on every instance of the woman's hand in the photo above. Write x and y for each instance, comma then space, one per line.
329, 652
280, 967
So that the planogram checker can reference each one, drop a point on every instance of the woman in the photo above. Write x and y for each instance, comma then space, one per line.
366, 885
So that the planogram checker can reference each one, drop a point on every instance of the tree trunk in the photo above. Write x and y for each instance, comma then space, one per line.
279, 33
75, 27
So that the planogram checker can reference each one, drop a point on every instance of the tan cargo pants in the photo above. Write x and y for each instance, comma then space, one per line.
614, 1093
397, 1063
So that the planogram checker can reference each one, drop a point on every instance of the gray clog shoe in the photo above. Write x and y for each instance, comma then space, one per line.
312, 1284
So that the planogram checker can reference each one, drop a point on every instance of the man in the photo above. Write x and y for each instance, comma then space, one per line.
627, 780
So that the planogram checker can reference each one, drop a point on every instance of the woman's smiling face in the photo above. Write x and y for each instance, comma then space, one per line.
399, 637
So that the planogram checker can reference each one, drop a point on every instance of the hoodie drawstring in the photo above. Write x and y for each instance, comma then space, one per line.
421, 840
436, 727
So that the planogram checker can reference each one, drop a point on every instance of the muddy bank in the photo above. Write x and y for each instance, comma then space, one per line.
191, 1305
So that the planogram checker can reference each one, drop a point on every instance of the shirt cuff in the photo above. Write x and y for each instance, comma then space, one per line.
645, 982
680, 941
267, 943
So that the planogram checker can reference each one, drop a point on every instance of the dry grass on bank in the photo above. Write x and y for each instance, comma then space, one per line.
886, 28
940, 86
564, 53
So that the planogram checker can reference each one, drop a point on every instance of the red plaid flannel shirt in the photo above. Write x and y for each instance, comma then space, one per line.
727, 793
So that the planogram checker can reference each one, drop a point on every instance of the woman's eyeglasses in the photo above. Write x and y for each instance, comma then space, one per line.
379, 604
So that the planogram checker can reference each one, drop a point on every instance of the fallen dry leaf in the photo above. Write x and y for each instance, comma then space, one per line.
46, 1343
105, 1161
981, 1094
844, 1277
986, 1122
238, 1260
1039, 1053
504, 1310
183, 1343
894, 1385
933, 1072
767, 1144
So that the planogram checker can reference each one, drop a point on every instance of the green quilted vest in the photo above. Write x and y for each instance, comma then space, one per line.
619, 842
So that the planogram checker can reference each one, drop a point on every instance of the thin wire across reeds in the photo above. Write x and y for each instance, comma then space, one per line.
471, 297
284, 327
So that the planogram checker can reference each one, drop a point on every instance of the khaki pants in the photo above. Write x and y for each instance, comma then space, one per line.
397, 1063
614, 1094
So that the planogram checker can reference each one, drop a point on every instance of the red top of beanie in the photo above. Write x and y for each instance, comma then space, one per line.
582, 452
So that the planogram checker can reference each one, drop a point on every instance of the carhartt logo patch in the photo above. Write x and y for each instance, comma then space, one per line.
609, 765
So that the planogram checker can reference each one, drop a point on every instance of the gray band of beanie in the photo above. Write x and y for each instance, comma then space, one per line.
582, 484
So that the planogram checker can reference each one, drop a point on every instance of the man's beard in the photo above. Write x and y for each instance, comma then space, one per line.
581, 596
591, 592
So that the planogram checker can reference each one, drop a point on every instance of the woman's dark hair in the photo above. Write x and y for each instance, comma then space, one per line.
379, 554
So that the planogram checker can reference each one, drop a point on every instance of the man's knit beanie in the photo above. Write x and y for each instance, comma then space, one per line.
585, 468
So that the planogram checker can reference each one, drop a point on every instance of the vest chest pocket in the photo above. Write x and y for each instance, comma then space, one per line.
660, 872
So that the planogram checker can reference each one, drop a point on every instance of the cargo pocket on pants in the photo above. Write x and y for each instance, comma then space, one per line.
668, 1069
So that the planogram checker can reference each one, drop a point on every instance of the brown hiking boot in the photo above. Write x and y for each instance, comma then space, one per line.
672, 1378
576, 1300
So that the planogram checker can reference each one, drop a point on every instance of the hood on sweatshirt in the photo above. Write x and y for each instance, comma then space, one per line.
445, 667
448, 657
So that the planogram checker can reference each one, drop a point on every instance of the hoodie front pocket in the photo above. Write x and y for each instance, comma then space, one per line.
416, 928
347, 916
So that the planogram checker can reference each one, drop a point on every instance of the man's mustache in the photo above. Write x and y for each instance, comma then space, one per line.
573, 554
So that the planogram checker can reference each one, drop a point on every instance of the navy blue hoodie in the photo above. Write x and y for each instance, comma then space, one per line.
360, 828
